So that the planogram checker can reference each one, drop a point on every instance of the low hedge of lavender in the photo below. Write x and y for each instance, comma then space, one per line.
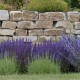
66, 52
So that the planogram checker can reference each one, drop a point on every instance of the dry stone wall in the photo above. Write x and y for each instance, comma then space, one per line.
38, 26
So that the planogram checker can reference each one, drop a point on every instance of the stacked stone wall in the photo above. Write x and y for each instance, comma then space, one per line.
38, 26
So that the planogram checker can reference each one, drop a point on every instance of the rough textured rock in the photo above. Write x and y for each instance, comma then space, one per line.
25, 25
4, 15
21, 32
20, 37
57, 38
44, 16
68, 31
9, 25
43, 24
53, 32
15, 15
7, 32
5, 38
36, 32
73, 31
29, 15
44, 38
32, 38
57, 16
73, 16
36, 26
78, 36
77, 25
64, 24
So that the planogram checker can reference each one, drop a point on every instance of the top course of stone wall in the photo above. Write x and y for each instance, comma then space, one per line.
38, 26
34, 16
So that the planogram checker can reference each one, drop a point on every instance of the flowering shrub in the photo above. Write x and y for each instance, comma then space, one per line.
66, 52
17, 49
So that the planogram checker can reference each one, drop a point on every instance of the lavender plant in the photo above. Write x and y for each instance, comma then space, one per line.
72, 47
65, 51
17, 49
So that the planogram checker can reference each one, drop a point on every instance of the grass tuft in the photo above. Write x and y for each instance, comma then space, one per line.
43, 66
7, 66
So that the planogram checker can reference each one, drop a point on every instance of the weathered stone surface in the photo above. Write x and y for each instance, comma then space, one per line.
72, 36
73, 31
57, 16
68, 31
5, 38
64, 24
29, 15
78, 36
20, 37
44, 16
35, 32
73, 16
43, 24
4, 15
21, 32
7, 32
15, 15
77, 25
25, 25
45, 38
53, 32
58, 38
9, 25
32, 38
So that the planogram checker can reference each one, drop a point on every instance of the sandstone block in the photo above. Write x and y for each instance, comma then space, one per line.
53, 32
57, 16
5, 38
43, 24
68, 31
25, 25
64, 24
15, 15
73, 16
77, 25
44, 16
78, 36
73, 36
9, 25
32, 38
29, 15
73, 31
45, 38
35, 32
19, 37
4, 15
7, 32
21, 32
58, 38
